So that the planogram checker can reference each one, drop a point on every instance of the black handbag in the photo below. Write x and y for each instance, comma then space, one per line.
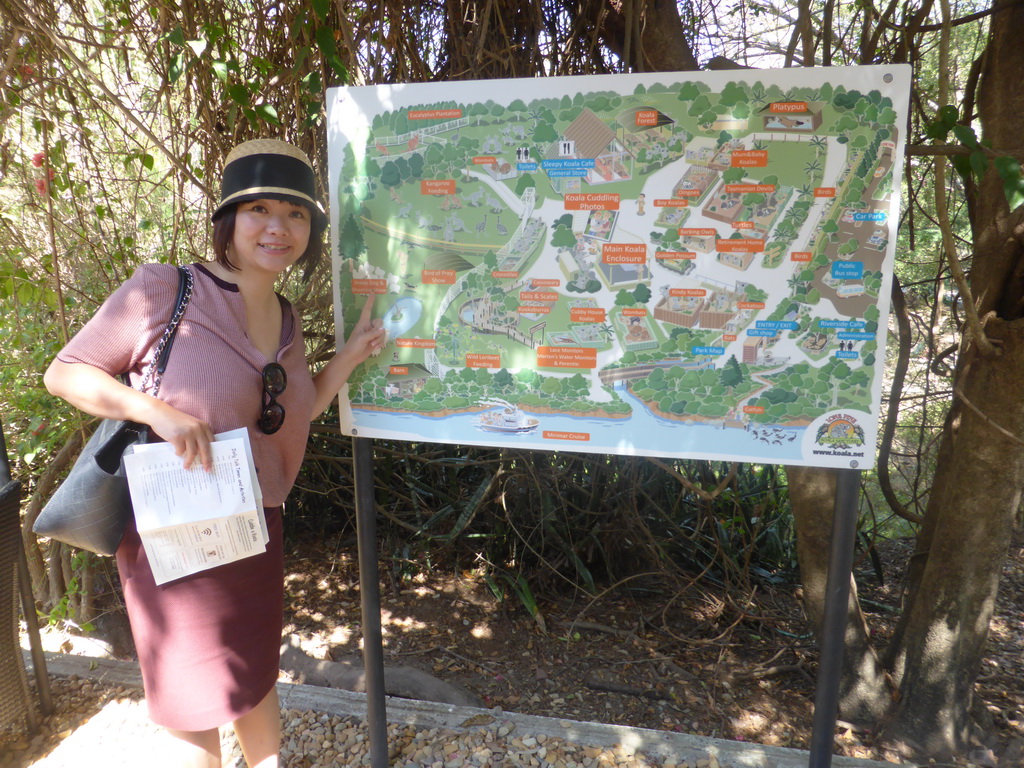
91, 508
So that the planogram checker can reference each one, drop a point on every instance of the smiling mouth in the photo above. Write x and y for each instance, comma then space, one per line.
274, 246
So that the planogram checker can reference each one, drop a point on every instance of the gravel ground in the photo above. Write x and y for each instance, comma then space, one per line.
95, 725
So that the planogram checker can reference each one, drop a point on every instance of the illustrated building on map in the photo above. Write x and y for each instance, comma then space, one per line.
592, 140
723, 206
741, 260
636, 333
695, 178
406, 384
793, 122
754, 346
653, 133
717, 309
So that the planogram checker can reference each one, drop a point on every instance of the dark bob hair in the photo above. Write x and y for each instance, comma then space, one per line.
224, 232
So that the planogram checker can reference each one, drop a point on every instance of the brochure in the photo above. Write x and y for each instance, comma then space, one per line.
193, 520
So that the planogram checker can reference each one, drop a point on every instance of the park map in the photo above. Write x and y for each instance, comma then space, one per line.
692, 265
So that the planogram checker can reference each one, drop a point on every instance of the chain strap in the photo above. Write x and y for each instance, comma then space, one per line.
169, 331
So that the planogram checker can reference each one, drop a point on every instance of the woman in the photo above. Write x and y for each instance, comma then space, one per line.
208, 644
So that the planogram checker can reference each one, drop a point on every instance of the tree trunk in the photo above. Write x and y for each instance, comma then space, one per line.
864, 693
955, 571
979, 475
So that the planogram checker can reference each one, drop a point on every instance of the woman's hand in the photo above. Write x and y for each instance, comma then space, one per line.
367, 337
96, 392
190, 436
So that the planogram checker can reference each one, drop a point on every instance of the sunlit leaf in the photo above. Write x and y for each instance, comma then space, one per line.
197, 46
267, 113
220, 69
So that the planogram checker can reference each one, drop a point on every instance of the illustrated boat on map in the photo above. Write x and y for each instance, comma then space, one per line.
508, 419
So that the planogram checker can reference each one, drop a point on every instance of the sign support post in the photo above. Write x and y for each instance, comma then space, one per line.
837, 599
369, 600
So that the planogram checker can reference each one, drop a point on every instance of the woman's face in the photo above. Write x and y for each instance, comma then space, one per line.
270, 235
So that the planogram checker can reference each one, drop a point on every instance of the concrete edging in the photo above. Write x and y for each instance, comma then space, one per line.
428, 714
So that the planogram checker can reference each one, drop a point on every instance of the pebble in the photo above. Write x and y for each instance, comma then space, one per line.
98, 725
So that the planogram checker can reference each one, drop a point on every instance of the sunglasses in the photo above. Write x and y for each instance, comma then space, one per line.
274, 382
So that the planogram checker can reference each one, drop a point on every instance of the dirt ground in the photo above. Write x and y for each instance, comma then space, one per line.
696, 663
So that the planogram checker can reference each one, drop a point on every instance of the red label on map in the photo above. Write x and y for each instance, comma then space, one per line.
566, 357
788, 106
687, 292
579, 437
749, 158
546, 282
416, 343
533, 309
634, 312
676, 255
437, 186
474, 360
740, 245
800, 256
538, 296
587, 315
438, 277
500, 274
743, 225
366, 286
697, 232
728, 337
671, 202
753, 409
399, 370
647, 117
623, 253
434, 114
484, 160
824, 191
750, 304
743, 189
605, 201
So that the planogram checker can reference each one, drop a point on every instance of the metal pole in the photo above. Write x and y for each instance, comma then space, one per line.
369, 591
837, 598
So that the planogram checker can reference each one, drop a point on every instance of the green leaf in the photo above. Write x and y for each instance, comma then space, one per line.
267, 113
1013, 184
177, 67
220, 69
322, 7
949, 115
147, 161
325, 42
176, 36
239, 94
966, 136
962, 165
937, 130
979, 163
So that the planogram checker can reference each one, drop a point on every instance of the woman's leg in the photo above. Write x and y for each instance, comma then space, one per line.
259, 732
193, 749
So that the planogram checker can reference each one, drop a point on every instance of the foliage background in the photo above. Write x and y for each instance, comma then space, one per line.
114, 121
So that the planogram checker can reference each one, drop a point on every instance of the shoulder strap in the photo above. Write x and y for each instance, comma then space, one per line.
163, 348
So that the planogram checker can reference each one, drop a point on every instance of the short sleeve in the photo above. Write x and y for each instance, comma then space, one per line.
121, 335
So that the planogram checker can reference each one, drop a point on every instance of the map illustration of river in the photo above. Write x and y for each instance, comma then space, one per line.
691, 265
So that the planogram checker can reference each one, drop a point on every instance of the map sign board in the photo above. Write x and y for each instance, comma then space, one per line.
691, 265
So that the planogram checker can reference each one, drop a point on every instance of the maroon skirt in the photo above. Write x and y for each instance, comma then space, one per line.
209, 644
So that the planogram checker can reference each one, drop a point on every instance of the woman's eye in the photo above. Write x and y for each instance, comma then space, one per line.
298, 214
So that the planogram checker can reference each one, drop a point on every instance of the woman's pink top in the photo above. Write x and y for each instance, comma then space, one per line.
215, 372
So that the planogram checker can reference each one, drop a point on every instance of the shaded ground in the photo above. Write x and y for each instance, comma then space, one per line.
698, 663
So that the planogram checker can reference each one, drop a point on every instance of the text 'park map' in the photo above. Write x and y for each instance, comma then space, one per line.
691, 265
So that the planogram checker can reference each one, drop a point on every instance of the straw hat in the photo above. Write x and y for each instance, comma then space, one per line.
269, 168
